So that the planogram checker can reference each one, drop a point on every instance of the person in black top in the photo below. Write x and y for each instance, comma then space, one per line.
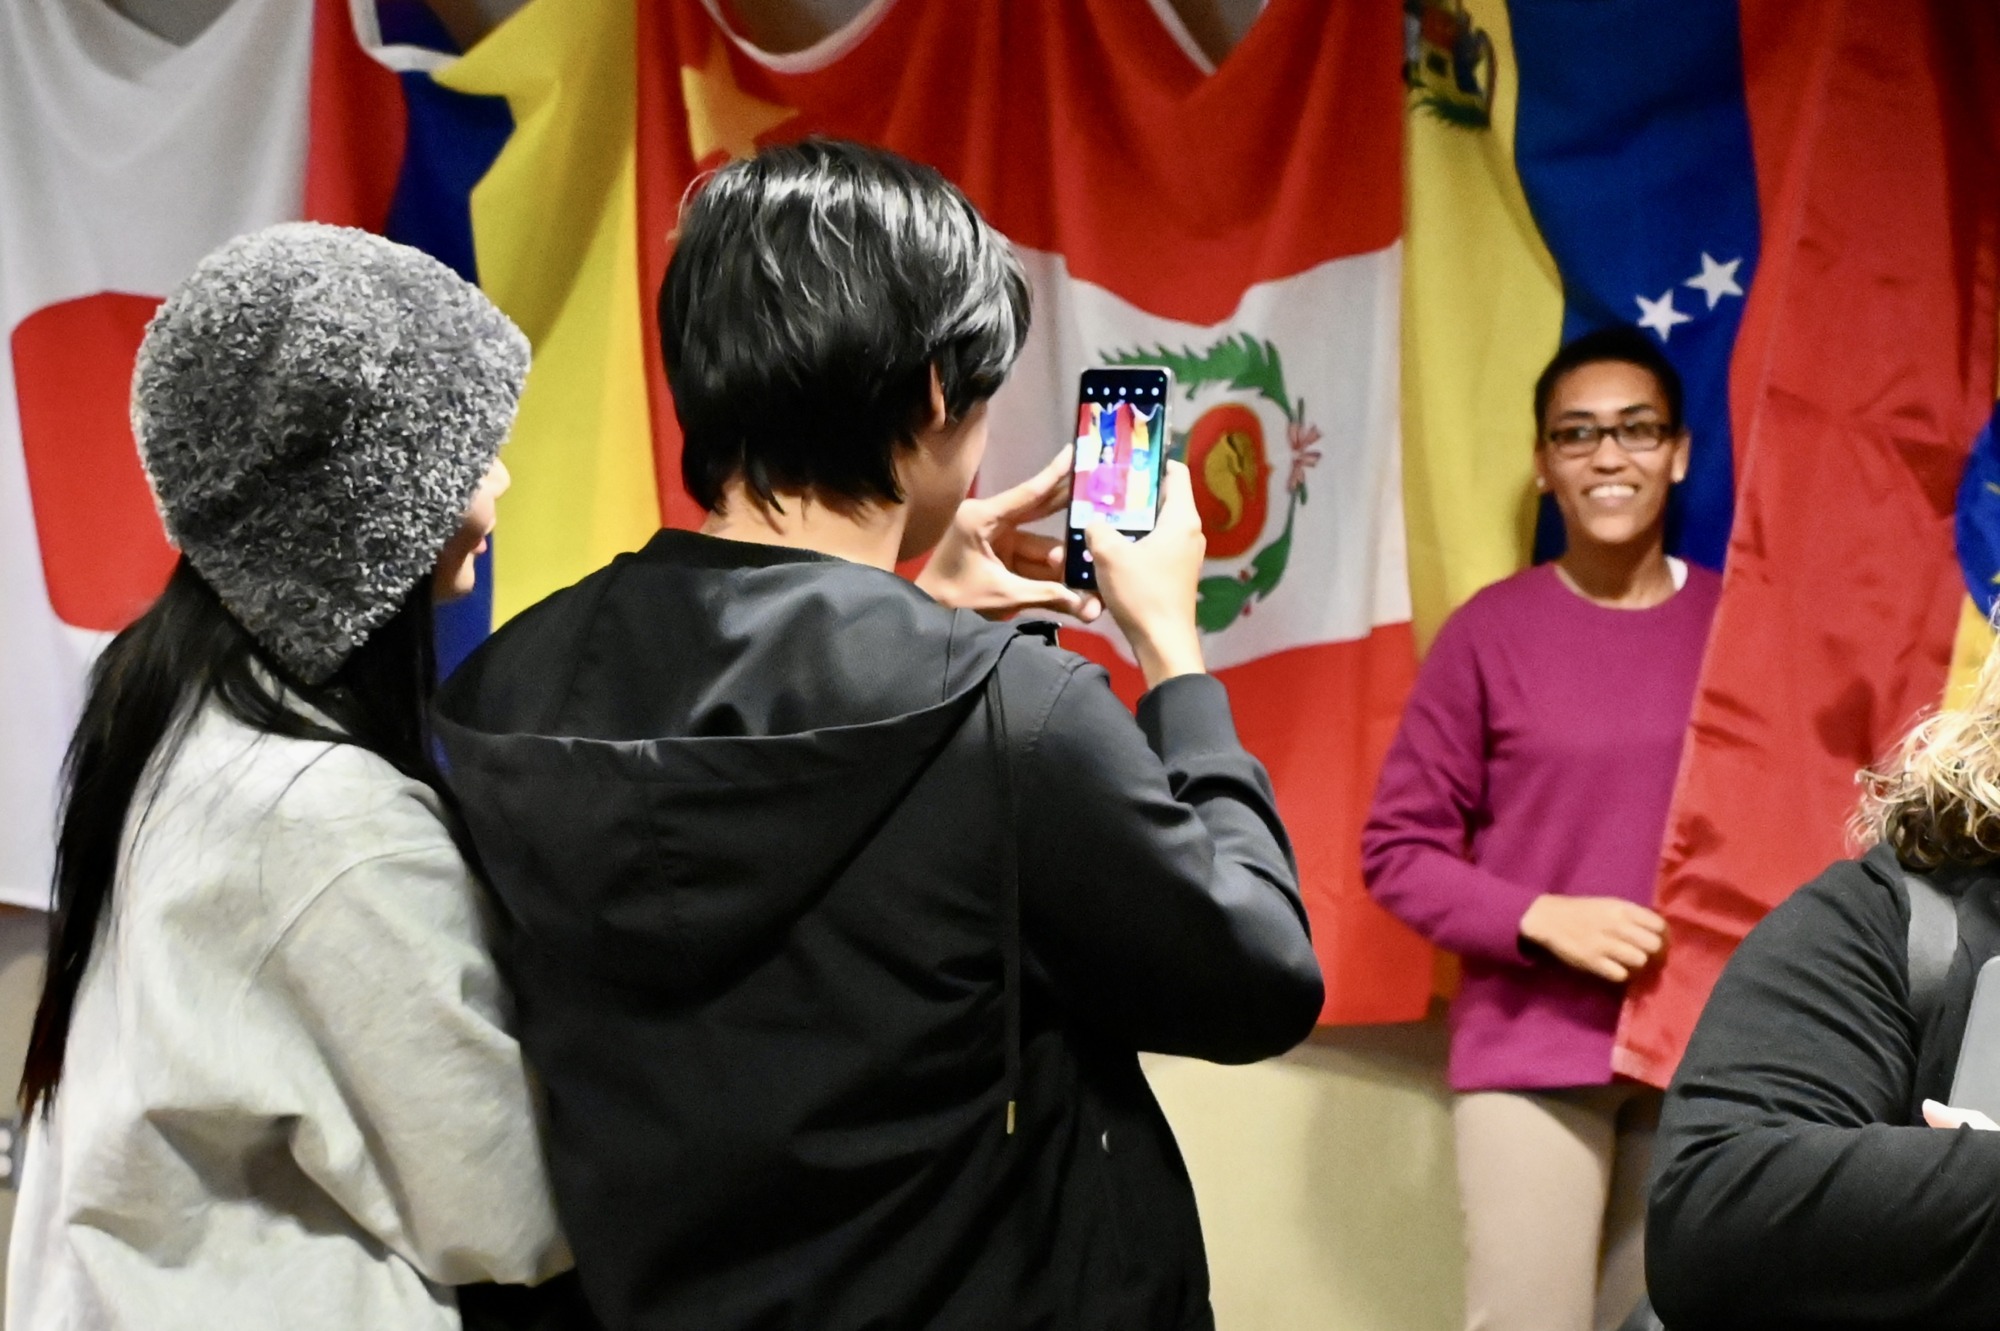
842, 911
1800, 1177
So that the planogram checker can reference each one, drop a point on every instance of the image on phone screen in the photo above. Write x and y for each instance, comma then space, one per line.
1121, 443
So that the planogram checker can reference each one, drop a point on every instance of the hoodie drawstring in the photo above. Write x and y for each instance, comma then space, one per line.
1010, 898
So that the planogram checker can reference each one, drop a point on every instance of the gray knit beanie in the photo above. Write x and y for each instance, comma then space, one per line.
315, 407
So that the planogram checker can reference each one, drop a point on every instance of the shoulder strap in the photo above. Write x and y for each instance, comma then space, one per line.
1010, 860
1010, 886
1933, 942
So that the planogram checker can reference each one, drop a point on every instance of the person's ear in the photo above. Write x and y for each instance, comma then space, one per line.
939, 416
1682, 450
1541, 470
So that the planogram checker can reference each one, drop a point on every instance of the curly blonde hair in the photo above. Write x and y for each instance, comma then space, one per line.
1936, 801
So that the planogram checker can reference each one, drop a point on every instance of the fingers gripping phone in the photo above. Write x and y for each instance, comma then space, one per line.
1121, 454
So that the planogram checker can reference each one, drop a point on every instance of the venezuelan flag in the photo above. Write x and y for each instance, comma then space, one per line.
1482, 312
1561, 200
1795, 201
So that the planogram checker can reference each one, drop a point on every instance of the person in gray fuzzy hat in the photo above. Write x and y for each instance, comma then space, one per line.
316, 407
322, 1120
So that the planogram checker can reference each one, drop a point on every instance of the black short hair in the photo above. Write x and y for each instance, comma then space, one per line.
811, 290
1619, 342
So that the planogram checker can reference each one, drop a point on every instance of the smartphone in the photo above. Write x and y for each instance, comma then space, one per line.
1121, 454
1975, 1083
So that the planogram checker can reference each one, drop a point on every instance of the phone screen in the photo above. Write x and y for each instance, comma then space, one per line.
1121, 453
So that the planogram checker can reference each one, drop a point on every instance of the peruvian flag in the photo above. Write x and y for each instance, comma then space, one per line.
123, 160
1240, 225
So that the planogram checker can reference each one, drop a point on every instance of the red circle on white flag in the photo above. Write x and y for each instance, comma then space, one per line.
105, 557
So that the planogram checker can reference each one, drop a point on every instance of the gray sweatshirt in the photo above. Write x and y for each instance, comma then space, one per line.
289, 1097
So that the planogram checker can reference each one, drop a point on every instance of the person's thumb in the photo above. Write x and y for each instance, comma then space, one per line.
1950, 1116
1100, 537
1177, 502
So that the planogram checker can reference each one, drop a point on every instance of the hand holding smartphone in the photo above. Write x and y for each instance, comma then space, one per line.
1121, 479
1120, 455
1151, 585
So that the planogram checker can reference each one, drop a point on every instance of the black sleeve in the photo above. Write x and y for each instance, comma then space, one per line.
554, 1305
1790, 1188
1159, 896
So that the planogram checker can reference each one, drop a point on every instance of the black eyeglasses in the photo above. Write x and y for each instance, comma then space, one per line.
1581, 439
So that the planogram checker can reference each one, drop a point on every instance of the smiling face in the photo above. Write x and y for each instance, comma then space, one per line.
1610, 496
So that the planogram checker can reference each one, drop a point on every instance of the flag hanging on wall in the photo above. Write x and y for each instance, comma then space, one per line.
1272, 290
1546, 202
278, 110
1240, 225
448, 141
1863, 372
102, 126
1797, 202
1976, 525
554, 225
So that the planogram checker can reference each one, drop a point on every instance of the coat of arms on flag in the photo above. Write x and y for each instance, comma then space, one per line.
1238, 382
1449, 62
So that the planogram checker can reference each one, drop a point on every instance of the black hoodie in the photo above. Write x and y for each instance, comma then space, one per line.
1795, 1186
800, 911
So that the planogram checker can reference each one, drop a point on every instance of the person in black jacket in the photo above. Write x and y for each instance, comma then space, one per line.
843, 911
1800, 1178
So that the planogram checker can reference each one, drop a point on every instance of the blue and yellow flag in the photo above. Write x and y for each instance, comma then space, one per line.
554, 226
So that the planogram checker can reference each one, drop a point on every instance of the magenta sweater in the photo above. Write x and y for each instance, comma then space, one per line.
1537, 754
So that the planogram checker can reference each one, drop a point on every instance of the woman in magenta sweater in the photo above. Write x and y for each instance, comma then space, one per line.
1518, 824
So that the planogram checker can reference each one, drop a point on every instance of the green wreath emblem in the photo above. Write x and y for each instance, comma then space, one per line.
1242, 364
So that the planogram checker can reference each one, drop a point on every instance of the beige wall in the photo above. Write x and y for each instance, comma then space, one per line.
1325, 1180
23, 938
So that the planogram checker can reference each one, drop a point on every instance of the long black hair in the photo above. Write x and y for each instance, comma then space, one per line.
144, 691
